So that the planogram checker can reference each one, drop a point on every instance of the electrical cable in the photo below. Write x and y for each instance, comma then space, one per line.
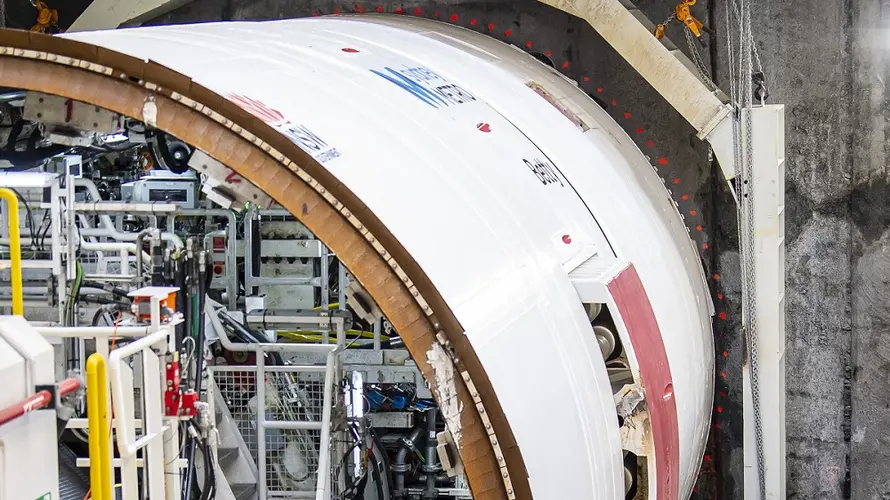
43, 221
30, 214
108, 287
72, 296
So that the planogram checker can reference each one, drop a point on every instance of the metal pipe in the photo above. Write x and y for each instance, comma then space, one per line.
37, 401
262, 486
109, 228
341, 285
97, 417
248, 251
112, 207
140, 237
325, 282
294, 426
322, 492
92, 331
15, 250
92, 246
263, 280
125, 446
431, 466
378, 326
400, 466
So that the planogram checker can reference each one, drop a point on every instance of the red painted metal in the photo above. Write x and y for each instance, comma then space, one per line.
37, 401
645, 336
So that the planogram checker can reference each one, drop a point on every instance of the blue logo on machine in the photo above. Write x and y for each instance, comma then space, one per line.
427, 85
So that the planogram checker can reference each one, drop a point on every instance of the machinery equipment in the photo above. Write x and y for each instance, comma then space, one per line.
412, 263
30, 405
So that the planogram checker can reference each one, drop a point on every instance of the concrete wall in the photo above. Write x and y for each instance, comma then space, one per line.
824, 60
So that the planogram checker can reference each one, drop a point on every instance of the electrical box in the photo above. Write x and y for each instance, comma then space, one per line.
163, 186
66, 165
217, 252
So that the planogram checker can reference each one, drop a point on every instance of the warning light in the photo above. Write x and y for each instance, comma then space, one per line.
217, 269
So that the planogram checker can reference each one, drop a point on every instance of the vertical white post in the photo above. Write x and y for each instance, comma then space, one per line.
70, 224
260, 378
768, 188
152, 421
55, 231
171, 454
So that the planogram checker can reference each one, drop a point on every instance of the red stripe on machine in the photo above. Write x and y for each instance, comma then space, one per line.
636, 311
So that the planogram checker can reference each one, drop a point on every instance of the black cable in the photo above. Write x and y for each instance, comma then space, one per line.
251, 336
17, 128
40, 229
108, 309
208, 491
30, 215
45, 232
108, 287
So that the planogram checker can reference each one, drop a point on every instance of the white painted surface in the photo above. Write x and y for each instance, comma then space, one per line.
28, 444
768, 295
109, 14
485, 228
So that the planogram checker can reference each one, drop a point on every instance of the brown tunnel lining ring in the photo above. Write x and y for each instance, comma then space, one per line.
493, 463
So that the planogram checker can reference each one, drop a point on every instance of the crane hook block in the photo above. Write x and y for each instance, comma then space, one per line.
46, 17
684, 15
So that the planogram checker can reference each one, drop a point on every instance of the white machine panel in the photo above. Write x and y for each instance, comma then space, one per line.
28, 444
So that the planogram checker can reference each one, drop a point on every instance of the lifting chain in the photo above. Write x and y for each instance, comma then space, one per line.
692, 29
683, 14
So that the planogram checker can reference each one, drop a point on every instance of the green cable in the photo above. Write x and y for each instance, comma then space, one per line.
75, 291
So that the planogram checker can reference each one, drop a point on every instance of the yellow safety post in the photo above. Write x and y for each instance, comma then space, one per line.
15, 250
97, 420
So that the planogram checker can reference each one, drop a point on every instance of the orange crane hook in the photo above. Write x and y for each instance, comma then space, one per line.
683, 14
46, 17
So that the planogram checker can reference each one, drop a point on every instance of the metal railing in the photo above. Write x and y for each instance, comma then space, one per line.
155, 447
289, 407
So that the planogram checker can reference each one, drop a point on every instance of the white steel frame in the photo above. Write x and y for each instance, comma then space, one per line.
768, 167
331, 367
